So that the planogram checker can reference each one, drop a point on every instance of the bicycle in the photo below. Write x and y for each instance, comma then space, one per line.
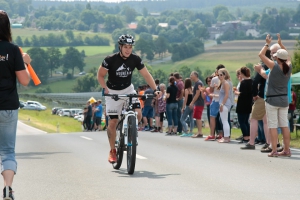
127, 139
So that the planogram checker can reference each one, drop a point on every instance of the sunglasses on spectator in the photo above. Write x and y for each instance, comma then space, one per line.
221, 75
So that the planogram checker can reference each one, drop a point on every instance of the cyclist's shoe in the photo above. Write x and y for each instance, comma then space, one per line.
112, 158
8, 193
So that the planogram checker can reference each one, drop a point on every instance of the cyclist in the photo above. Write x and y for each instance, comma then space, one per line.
119, 67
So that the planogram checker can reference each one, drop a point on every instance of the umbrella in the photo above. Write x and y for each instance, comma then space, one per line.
296, 79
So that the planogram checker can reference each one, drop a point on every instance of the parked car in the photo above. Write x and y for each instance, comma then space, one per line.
82, 73
55, 109
32, 107
74, 111
77, 115
37, 104
64, 112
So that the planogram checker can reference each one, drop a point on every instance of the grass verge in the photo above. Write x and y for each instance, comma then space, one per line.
45, 121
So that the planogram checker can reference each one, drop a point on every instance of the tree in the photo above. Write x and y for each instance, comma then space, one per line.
225, 16
267, 23
35, 41
185, 71
73, 59
217, 9
143, 46
88, 17
69, 35
145, 12
112, 22
86, 83
161, 75
54, 58
130, 14
27, 43
19, 41
161, 45
150, 55
88, 6
40, 63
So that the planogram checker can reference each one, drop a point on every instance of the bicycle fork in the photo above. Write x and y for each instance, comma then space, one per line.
125, 127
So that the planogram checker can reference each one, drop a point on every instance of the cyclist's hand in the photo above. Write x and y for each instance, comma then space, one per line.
105, 91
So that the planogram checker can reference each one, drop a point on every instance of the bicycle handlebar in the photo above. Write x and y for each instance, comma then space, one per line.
116, 96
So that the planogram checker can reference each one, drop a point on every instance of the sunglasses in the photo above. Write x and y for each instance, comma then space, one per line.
221, 75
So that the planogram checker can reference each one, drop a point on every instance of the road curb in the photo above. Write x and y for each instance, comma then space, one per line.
32, 127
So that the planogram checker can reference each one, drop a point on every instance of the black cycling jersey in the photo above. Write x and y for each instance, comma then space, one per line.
120, 70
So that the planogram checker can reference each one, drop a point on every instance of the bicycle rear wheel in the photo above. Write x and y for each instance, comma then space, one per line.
131, 145
119, 147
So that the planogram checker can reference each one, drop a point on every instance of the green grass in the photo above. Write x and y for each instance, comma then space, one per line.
45, 121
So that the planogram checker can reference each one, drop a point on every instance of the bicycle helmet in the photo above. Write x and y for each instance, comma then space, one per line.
126, 39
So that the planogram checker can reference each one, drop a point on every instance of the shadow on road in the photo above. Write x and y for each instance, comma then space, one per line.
142, 174
35, 155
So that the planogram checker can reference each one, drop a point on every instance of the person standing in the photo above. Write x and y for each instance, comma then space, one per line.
197, 104
276, 97
98, 115
208, 98
161, 101
225, 103
179, 98
244, 103
214, 107
12, 67
186, 111
292, 108
171, 107
148, 110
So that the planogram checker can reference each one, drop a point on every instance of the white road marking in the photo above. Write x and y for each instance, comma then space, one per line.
32, 127
138, 156
86, 138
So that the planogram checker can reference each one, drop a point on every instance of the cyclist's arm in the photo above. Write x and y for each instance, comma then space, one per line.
100, 76
148, 77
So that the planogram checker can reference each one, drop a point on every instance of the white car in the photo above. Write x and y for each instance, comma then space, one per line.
64, 112
30, 105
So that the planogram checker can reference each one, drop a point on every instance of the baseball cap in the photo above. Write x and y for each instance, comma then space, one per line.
281, 54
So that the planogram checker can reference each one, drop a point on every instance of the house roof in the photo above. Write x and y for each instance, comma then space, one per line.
132, 26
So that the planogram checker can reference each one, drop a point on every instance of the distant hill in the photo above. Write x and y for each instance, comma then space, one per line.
161, 5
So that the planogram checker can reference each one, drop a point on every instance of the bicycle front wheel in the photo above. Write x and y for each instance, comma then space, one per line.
119, 147
131, 145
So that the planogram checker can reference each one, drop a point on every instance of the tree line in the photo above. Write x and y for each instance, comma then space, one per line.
45, 62
55, 40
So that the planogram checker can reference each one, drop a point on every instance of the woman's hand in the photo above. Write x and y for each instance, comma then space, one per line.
269, 39
279, 39
236, 92
221, 108
26, 58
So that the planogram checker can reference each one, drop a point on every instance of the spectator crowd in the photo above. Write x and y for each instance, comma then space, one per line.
265, 104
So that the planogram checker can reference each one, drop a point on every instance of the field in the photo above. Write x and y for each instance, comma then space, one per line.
29, 32
89, 50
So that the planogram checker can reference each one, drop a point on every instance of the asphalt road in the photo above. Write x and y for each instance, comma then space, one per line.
75, 166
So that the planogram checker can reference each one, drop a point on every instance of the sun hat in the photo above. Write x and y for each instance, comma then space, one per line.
281, 54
